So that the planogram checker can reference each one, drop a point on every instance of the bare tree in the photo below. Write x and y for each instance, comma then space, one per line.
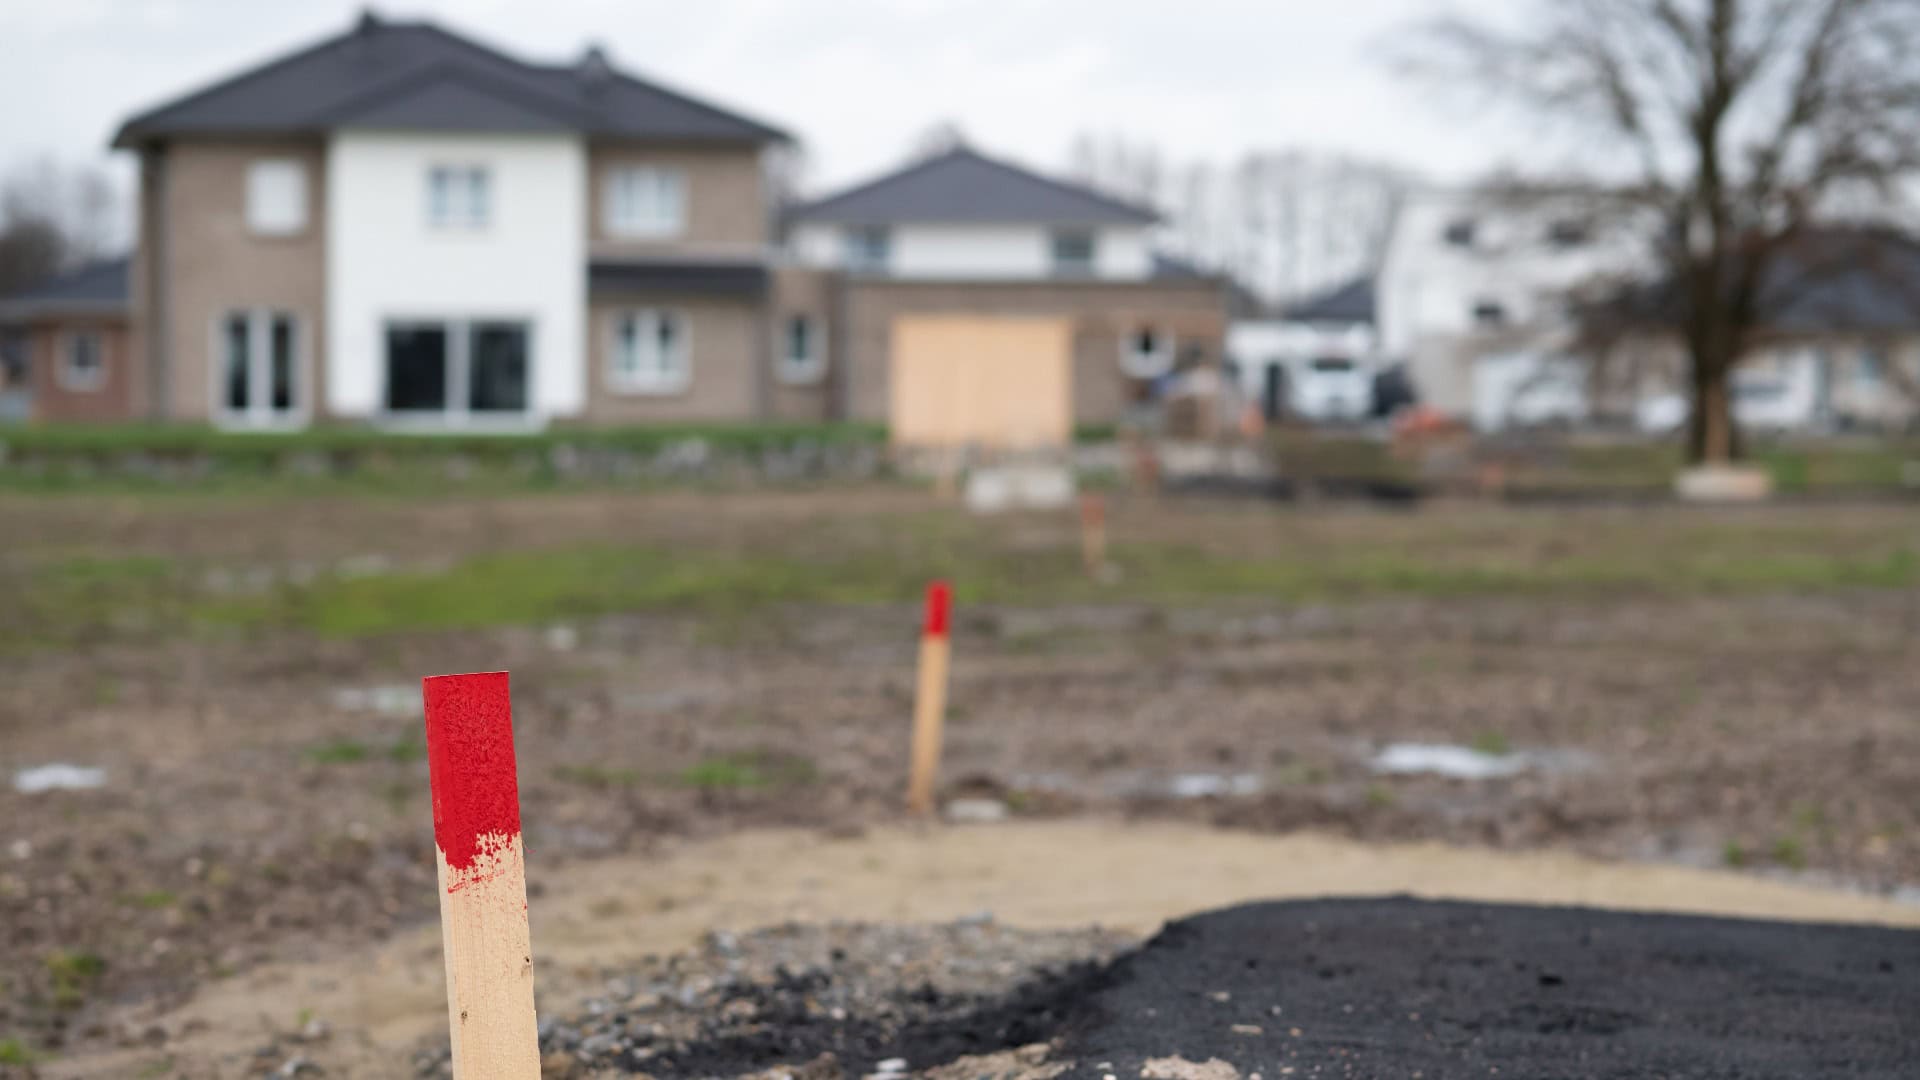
1734, 124
53, 218
1284, 223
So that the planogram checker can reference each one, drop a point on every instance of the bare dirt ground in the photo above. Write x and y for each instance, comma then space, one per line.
265, 803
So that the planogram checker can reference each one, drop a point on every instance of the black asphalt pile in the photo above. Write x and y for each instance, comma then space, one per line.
1401, 987
1331, 988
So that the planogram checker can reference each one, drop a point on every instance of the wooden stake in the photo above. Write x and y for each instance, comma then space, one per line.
930, 699
483, 877
1093, 534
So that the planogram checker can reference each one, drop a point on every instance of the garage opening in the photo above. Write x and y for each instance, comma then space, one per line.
996, 382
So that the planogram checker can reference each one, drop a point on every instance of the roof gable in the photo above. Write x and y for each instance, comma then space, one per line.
963, 186
420, 76
1351, 302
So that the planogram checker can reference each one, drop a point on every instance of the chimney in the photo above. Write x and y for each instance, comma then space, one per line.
594, 70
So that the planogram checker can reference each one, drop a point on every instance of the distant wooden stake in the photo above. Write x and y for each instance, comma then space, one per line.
1093, 535
930, 699
483, 877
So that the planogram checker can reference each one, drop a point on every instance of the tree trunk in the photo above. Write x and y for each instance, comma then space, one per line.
1712, 440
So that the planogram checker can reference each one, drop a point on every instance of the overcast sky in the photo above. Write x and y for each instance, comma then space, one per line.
857, 80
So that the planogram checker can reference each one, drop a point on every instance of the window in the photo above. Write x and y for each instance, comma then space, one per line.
458, 371
1146, 353
1073, 253
1331, 365
645, 201
649, 353
869, 249
276, 197
258, 369
802, 357
1459, 233
1871, 368
1567, 234
1489, 313
83, 363
458, 196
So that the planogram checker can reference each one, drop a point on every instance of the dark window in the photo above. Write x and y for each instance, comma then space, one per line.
239, 370
416, 368
1489, 313
281, 350
868, 248
499, 382
1567, 233
1073, 252
1332, 364
1459, 233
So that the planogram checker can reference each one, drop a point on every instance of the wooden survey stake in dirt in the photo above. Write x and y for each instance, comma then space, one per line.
483, 877
930, 699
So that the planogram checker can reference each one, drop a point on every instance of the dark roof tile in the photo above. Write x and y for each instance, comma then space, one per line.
418, 75
97, 287
963, 186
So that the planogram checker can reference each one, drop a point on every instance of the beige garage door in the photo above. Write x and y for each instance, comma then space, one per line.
988, 381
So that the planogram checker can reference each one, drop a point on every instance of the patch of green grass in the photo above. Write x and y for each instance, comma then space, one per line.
599, 777
157, 1067
1492, 743
73, 973
1380, 796
1734, 854
749, 771
341, 751
407, 749
153, 899
14, 1051
1790, 852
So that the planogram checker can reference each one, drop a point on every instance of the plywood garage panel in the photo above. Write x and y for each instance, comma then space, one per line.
992, 381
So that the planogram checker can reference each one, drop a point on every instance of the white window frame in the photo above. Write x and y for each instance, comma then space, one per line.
800, 371
277, 197
259, 415
65, 373
862, 264
644, 202
458, 413
469, 196
1147, 365
662, 381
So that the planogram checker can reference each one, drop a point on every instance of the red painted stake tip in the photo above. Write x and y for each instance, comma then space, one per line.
939, 608
476, 793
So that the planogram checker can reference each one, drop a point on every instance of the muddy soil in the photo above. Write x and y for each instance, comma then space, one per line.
265, 799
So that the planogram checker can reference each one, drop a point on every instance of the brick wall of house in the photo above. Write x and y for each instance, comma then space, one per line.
56, 402
215, 264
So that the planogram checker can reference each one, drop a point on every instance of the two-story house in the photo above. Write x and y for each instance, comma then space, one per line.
974, 300
1475, 296
402, 227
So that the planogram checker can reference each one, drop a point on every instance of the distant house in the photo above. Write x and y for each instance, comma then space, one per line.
67, 348
1316, 359
1838, 346
980, 301
1475, 297
400, 226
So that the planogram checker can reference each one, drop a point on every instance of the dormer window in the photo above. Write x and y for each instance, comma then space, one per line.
868, 249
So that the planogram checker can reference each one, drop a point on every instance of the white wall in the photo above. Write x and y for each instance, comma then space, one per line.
981, 252
1428, 288
384, 261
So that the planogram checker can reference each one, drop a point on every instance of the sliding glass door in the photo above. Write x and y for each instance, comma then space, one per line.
456, 372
